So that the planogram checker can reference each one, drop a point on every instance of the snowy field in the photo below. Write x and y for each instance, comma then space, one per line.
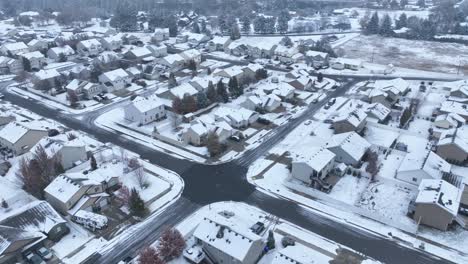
425, 55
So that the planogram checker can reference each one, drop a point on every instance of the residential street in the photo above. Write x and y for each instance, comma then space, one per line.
206, 184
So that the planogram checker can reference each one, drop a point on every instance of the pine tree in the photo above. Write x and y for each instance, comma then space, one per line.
203, 26
394, 4
402, 21
421, 3
136, 204
211, 93
196, 27
259, 24
202, 100
213, 144
93, 163
4, 204
171, 23
125, 16
26, 65
283, 19
223, 95
271, 240
319, 77
403, 3
235, 32
373, 24
189, 104
233, 87
386, 27
172, 82
245, 21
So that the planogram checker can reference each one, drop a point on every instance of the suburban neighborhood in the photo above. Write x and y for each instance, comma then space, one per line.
237, 131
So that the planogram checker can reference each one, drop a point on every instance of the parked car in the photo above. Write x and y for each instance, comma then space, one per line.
235, 138
34, 259
258, 227
332, 101
45, 253
97, 98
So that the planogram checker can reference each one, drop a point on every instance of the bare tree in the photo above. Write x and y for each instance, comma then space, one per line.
171, 244
149, 255
124, 194
141, 177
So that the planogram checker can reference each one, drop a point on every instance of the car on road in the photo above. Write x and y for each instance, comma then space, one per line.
315, 100
34, 259
332, 102
45, 253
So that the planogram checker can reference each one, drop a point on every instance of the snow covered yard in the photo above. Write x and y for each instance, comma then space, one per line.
425, 55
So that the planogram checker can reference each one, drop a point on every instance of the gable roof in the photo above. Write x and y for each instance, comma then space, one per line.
355, 117
62, 188
37, 216
14, 131
351, 143
458, 136
439, 193
148, 103
9, 235
429, 162
316, 157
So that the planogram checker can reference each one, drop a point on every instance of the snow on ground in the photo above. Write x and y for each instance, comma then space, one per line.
77, 237
425, 55
349, 189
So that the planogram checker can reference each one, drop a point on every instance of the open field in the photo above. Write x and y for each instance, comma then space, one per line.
416, 54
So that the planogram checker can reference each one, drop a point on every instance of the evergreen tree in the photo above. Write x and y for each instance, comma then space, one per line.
319, 77
172, 82
421, 3
271, 240
223, 95
402, 21
394, 4
125, 16
259, 24
202, 100
386, 27
373, 24
270, 25
233, 87
223, 24
26, 65
403, 3
428, 29
93, 163
283, 19
189, 104
245, 21
136, 204
211, 93
196, 27
235, 32
203, 26
171, 23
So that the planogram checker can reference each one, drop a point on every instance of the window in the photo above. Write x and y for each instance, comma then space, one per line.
415, 180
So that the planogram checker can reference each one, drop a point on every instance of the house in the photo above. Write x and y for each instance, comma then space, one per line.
219, 43
139, 54
311, 163
134, 72
349, 148
437, 204
395, 87
68, 152
348, 64
252, 103
231, 72
350, 121
115, 80
449, 121
174, 62
226, 241
54, 53
153, 72
286, 54
196, 134
195, 39
237, 118
50, 76
160, 34
378, 112
181, 90
420, 165
302, 83
84, 89
38, 45
457, 89
21, 137
35, 58
13, 241
9, 65
68, 195
145, 110
158, 51
13, 49
376, 96
453, 145
250, 71
38, 216
317, 59
297, 253
460, 109
270, 102
191, 55
89, 47
112, 43
202, 83
284, 91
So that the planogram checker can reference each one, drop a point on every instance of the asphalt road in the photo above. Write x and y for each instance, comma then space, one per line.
206, 184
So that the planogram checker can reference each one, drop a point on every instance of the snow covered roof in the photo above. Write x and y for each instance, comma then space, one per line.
312, 53
457, 136
454, 107
429, 162
47, 74
145, 104
62, 188
439, 193
295, 254
52, 145
141, 52
115, 74
161, 30
226, 236
316, 157
14, 131
32, 55
190, 54
452, 118
218, 40
29, 13
399, 84
183, 89
355, 117
37, 216
172, 58
66, 50
461, 85
348, 61
15, 46
9, 235
232, 71
194, 36
351, 143
113, 39
90, 43
378, 110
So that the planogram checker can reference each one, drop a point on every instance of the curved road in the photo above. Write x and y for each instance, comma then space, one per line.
206, 184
